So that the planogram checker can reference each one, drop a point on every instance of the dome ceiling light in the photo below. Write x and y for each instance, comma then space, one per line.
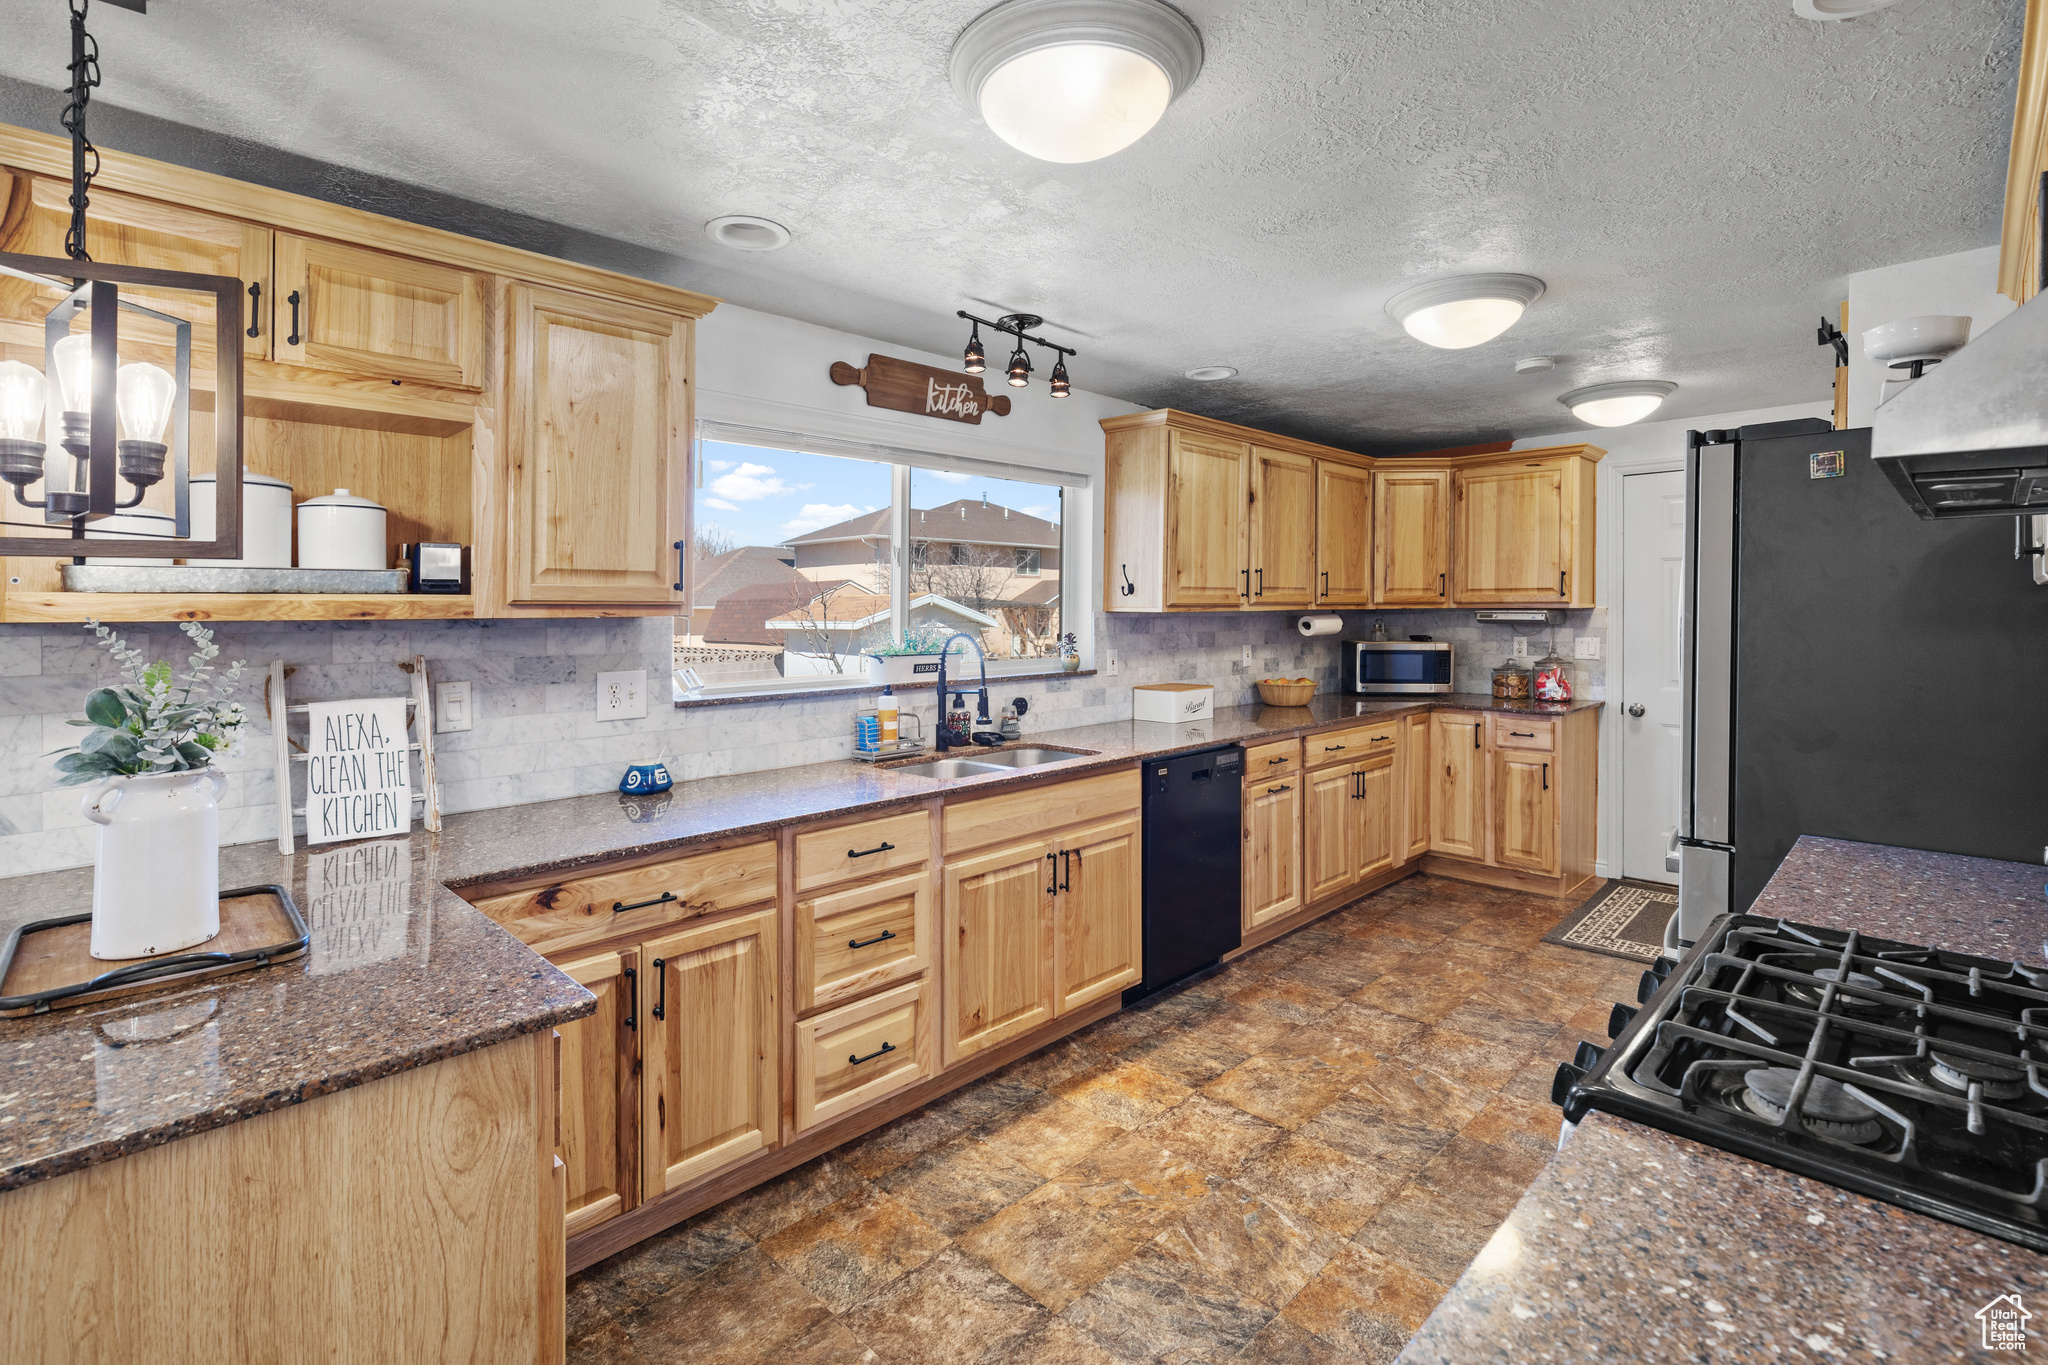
1825, 10
1465, 311
1074, 80
745, 232
1619, 403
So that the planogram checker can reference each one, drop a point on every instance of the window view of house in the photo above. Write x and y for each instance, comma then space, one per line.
795, 567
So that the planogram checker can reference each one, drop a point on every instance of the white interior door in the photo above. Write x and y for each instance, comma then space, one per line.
1653, 657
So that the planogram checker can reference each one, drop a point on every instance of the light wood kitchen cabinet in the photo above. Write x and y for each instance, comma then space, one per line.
370, 313
1343, 535
1457, 798
1524, 812
1205, 525
712, 1049
1411, 550
858, 1053
598, 422
1522, 529
1283, 506
1329, 840
1098, 947
575, 912
998, 956
850, 941
1379, 811
1272, 848
601, 1094
1417, 775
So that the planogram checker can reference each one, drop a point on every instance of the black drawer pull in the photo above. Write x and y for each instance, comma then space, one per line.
620, 907
293, 299
1281, 759
882, 1051
1275, 791
632, 999
661, 988
882, 937
255, 318
1381, 739
1521, 734
882, 847
1333, 748
1475, 734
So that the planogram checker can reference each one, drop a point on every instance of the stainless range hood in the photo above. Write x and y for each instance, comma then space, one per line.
1970, 439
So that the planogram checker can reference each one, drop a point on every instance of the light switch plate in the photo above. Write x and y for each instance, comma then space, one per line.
1521, 646
622, 696
1247, 658
452, 708
1112, 663
1586, 647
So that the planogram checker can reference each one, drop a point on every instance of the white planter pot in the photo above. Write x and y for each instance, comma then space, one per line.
342, 531
156, 882
894, 670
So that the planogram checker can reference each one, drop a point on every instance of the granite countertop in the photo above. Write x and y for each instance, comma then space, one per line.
1634, 1244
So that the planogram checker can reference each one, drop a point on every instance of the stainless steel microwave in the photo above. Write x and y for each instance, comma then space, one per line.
1397, 666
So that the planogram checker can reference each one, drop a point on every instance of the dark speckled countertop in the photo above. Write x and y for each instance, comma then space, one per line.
1636, 1245
403, 972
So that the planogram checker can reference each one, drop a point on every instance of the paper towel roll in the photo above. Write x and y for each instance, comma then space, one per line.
1325, 624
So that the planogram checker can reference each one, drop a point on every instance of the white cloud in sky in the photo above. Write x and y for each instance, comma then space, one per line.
721, 504
1044, 511
814, 515
716, 465
944, 475
752, 482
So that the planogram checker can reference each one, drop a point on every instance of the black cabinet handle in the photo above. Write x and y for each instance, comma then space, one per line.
883, 1050
1546, 777
1052, 874
1326, 582
1262, 584
1381, 739
293, 299
1521, 734
679, 566
1439, 585
620, 907
255, 317
1281, 759
1333, 748
882, 847
1560, 582
882, 937
1066, 870
1247, 583
1284, 787
1475, 734
632, 998
661, 990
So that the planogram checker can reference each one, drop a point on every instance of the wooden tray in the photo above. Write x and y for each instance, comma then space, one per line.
46, 964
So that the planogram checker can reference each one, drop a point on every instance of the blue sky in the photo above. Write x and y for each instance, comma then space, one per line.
763, 496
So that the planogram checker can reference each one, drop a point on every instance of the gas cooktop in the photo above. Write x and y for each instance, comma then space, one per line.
1905, 1073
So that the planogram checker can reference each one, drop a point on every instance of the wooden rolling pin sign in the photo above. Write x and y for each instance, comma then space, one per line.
909, 387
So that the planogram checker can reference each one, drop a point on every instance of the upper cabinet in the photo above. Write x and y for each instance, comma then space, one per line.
1205, 521
1283, 506
1343, 539
360, 312
1411, 543
1522, 529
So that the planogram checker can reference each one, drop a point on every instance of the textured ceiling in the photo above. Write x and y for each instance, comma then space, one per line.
1691, 177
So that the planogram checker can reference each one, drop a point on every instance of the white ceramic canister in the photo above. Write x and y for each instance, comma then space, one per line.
136, 521
342, 531
156, 879
266, 520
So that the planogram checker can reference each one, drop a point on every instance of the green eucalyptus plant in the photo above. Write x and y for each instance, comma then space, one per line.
924, 639
155, 722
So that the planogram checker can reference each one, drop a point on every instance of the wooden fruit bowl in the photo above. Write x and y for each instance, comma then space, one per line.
1286, 693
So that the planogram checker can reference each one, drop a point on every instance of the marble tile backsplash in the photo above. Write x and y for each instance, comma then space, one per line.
536, 735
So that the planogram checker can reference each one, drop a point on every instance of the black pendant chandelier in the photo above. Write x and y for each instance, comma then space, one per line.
1018, 372
120, 423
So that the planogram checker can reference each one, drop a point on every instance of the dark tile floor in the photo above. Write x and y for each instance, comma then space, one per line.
1288, 1160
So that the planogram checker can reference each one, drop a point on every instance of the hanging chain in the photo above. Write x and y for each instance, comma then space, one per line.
85, 158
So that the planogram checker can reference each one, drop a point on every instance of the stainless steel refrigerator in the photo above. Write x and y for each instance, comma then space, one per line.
1852, 670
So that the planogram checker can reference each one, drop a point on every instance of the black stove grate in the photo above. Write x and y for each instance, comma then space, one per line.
1906, 1073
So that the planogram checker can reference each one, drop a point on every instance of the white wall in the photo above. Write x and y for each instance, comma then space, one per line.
1965, 284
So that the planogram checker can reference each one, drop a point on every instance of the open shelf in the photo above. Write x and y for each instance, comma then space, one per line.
68, 607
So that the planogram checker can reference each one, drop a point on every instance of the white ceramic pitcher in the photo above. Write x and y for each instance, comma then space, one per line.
156, 882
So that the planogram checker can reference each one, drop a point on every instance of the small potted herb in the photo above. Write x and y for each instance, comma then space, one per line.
1070, 652
915, 660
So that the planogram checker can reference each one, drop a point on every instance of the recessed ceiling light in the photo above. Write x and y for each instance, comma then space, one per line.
1838, 9
1535, 364
1209, 373
1075, 80
1619, 403
745, 232
1465, 311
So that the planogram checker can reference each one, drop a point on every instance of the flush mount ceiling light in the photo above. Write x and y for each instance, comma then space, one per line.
1619, 403
745, 232
1826, 10
1465, 311
1209, 374
1074, 80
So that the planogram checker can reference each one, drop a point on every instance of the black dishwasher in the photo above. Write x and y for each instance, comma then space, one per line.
1193, 845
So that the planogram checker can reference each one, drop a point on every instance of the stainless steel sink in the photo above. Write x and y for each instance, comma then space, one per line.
1026, 758
952, 767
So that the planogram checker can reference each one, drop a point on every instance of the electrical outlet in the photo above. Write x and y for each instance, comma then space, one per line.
1112, 663
1586, 647
452, 710
622, 696
1521, 646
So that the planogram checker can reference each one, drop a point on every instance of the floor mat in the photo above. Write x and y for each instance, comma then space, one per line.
1622, 919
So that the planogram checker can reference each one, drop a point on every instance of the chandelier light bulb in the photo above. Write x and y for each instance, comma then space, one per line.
1619, 403
976, 359
73, 357
143, 394
23, 392
1458, 313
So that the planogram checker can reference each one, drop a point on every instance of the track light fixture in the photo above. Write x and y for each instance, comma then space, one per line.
1018, 325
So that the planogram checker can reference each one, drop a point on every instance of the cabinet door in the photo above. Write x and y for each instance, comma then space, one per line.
998, 937
1098, 947
1457, 799
1509, 536
1378, 814
1415, 755
1525, 811
370, 313
1330, 831
601, 1095
1207, 481
597, 436
1343, 535
713, 1054
1411, 561
1283, 542
1272, 850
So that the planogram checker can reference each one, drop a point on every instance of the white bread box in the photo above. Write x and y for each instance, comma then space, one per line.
1173, 703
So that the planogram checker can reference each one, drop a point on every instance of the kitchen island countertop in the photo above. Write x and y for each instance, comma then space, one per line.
1634, 1244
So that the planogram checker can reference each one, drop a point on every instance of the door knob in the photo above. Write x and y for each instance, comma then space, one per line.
1636, 709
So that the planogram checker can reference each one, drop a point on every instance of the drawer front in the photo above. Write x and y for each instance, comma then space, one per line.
1349, 746
582, 910
1039, 807
825, 857
850, 942
857, 1054
1265, 761
1524, 732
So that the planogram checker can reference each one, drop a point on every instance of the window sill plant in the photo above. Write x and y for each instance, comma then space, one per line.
915, 660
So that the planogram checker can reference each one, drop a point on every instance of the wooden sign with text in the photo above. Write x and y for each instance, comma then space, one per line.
908, 386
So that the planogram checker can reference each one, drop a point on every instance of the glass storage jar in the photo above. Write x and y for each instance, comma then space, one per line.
1511, 682
1552, 680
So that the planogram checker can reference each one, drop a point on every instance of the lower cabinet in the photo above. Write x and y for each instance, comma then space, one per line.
1457, 798
1516, 794
711, 1049
1525, 811
1374, 824
1416, 773
600, 1081
858, 1053
1328, 846
998, 945
1272, 850
1098, 941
